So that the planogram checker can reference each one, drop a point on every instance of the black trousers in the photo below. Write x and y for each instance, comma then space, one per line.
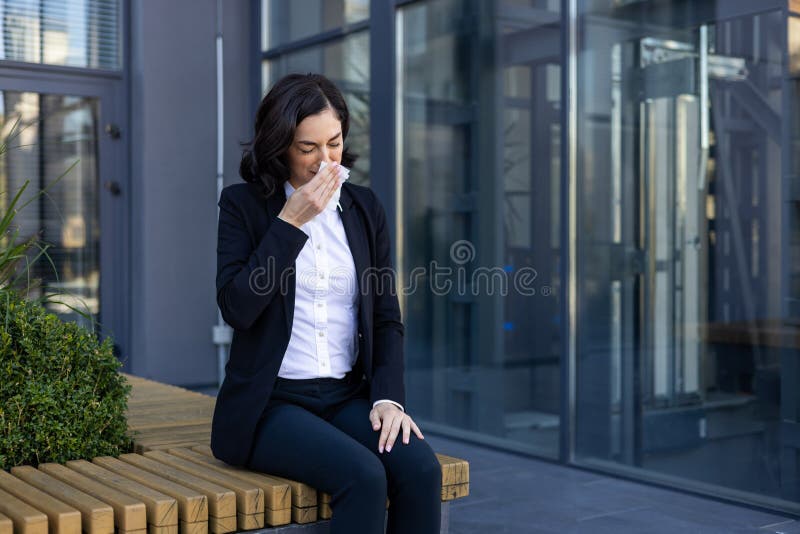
317, 431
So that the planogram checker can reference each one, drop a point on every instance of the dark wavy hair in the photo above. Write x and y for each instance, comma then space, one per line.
293, 98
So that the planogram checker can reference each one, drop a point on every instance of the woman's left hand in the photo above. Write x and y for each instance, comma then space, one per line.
390, 419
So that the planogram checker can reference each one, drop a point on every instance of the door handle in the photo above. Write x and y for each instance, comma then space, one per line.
113, 130
113, 187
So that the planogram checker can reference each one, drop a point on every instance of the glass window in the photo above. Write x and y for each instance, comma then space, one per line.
479, 223
346, 63
53, 138
687, 346
283, 21
77, 33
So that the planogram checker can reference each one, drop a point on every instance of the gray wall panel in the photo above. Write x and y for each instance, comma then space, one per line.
173, 144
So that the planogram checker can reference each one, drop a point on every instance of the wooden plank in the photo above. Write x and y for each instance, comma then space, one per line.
454, 470
180, 430
192, 504
250, 521
171, 529
222, 525
26, 518
277, 495
325, 511
62, 518
304, 515
129, 513
303, 495
455, 491
171, 401
147, 443
249, 497
162, 510
200, 436
201, 527
221, 500
97, 517
145, 447
6, 526
275, 518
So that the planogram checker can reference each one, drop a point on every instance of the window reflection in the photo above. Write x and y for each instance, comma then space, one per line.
78, 33
684, 268
56, 138
290, 20
484, 180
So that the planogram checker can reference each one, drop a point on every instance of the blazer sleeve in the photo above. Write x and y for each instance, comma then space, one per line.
388, 330
247, 278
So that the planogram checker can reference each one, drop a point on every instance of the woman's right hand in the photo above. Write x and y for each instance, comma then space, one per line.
310, 199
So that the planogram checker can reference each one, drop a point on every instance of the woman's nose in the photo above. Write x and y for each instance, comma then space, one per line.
327, 155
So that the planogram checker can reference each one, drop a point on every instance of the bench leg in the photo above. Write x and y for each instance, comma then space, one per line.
445, 528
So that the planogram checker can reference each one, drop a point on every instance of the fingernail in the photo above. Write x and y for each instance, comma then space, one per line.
405, 441
388, 448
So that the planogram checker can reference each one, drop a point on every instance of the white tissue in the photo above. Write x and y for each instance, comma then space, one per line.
344, 174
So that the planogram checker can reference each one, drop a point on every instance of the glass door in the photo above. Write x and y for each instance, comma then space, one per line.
66, 138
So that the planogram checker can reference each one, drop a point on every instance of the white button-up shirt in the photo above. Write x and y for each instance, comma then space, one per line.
324, 340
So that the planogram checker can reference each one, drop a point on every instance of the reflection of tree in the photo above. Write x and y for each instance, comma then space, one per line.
357, 96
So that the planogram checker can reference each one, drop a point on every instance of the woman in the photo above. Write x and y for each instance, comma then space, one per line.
314, 383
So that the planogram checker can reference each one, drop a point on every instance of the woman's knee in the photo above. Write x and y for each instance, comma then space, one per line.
369, 475
424, 471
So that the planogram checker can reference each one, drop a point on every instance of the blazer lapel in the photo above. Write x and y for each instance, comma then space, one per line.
359, 248
274, 205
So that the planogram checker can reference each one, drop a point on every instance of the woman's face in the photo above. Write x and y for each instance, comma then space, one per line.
317, 138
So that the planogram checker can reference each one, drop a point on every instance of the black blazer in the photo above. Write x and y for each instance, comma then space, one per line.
254, 245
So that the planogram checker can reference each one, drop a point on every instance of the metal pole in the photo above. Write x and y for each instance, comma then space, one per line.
221, 332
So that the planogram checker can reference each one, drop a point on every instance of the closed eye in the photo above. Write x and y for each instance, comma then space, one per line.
312, 150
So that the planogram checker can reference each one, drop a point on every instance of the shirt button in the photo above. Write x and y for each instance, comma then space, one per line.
319, 304
319, 247
321, 334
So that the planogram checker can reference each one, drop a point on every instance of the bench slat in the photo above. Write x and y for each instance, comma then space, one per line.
249, 498
63, 519
26, 518
97, 517
129, 513
192, 504
200, 527
162, 510
455, 491
303, 495
454, 470
222, 525
6, 525
221, 500
277, 495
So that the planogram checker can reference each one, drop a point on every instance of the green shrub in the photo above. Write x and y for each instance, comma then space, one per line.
61, 395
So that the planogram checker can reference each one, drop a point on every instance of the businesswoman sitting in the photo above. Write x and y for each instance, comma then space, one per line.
314, 383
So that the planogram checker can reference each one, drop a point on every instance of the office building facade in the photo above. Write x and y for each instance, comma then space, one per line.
595, 205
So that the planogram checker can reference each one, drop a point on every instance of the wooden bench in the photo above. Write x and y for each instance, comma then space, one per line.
172, 483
